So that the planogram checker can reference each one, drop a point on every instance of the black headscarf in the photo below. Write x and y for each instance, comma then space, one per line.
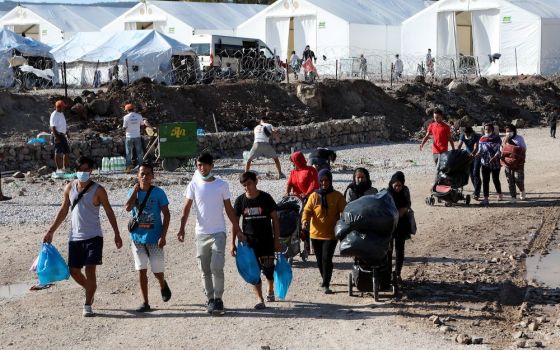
360, 188
400, 198
324, 192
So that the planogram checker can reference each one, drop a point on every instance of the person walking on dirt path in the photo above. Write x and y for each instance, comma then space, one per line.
470, 139
82, 198
2, 197
513, 160
553, 120
132, 122
261, 229
430, 63
57, 123
399, 67
147, 203
401, 197
320, 214
211, 197
303, 180
441, 134
360, 185
489, 153
262, 147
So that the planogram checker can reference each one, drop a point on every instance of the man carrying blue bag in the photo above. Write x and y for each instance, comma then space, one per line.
83, 198
261, 229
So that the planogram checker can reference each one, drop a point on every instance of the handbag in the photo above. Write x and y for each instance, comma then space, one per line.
133, 222
412, 221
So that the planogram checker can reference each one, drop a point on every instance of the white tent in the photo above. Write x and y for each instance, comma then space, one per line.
334, 28
95, 58
524, 32
181, 20
53, 23
12, 44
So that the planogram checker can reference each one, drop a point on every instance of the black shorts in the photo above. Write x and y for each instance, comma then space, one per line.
264, 251
61, 147
86, 252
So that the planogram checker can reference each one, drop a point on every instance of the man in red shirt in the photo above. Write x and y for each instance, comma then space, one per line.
441, 133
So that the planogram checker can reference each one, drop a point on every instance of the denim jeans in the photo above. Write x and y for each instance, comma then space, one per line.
210, 252
135, 144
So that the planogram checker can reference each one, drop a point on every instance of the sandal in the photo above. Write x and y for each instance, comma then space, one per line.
270, 298
260, 306
165, 293
143, 308
4, 198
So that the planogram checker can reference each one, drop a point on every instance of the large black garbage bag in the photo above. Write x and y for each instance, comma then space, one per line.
374, 214
341, 229
454, 161
368, 247
289, 222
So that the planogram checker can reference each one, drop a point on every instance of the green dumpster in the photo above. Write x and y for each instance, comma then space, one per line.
177, 142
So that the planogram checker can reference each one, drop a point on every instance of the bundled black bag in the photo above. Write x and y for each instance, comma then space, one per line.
341, 230
365, 246
454, 161
374, 214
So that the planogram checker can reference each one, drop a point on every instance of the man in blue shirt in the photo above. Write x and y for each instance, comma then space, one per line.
470, 139
148, 237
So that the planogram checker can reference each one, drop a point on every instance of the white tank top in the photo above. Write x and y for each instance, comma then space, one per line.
85, 222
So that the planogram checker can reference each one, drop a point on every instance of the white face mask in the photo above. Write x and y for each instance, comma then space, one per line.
83, 176
509, 134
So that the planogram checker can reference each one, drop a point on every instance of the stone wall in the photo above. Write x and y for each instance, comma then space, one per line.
341, 132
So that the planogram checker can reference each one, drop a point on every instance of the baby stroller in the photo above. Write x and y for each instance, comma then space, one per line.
289, 211
453, 174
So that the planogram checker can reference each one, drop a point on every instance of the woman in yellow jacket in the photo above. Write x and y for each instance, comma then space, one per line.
320, 215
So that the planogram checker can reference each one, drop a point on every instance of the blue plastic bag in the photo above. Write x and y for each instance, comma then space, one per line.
247, 264
282, 277
51, 266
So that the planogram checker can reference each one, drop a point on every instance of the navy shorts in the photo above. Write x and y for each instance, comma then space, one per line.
61, 147
86, 252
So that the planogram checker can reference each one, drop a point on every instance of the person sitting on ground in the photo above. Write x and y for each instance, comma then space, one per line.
470, 139
262, 231
360, 185
321, 158
320, 214
514, 161
401, 196
2, 197
489, 153
262, 147
303, 180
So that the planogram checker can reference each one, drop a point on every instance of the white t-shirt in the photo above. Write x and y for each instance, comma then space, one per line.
398, 65
58, 121
132, 122
208, 198
260, 136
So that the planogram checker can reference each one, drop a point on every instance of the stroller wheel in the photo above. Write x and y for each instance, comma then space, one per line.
350, 284
432, 201
468, 199
448, 204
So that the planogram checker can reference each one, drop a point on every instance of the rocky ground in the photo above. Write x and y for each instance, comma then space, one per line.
464, 276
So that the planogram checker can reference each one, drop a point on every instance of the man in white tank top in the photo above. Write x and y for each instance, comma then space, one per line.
83, 198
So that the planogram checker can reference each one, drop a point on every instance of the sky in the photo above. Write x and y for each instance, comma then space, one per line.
71, 1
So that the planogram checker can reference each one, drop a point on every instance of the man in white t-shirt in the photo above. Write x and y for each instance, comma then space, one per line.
57, 123
132, 123
262, 147
211, 196
399, 67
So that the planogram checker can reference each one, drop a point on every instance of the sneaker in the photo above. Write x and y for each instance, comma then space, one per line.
484, 202
260, 306
144, 308
59, 171
165, 293
523, 196
210, 305
327, 290
281, 176
88, 311
270, 298
4, 198
500, 197
218, 307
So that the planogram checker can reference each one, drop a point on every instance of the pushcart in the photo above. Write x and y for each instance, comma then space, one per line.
174, 144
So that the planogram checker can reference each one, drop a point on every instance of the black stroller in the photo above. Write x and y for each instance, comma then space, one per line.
453, 174
289, 215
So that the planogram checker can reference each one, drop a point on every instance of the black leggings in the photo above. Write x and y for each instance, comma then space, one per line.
398, 245
324, 251
486, 171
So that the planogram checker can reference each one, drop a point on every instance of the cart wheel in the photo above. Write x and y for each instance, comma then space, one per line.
468, 199
427, 200
375, 289
170, 164
350, 284
432, 201
448, 204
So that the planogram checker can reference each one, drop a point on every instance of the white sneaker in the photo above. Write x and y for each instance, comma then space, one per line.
523, 196
88, 311
60, 171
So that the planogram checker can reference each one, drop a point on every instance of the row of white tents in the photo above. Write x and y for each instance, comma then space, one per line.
523, 32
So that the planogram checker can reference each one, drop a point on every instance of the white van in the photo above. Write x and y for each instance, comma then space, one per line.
217, 51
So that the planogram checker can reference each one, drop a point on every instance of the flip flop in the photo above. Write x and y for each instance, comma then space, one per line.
260, 306
5, 198
41, 286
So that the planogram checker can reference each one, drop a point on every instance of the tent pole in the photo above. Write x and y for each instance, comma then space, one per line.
516, 70
454, 71
287, 72
391, 75
380, 70
64, 78
127, 77
336, 70
478, 65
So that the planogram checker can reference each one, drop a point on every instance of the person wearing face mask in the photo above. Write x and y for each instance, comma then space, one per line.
211, 196
514, 150
360, 186
470, 139
489, 154
320, 214
401, 197
83, 198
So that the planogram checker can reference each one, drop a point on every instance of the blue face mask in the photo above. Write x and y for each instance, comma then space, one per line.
83, 176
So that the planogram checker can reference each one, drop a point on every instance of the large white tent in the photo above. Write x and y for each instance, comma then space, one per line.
96, 57
182, 20
334, 28
53, 23
12, 44
524, 32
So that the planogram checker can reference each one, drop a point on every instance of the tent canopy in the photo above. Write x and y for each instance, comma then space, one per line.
27, 46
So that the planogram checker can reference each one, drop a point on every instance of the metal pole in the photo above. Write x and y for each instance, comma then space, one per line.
336, 70
381, 70
516, 71
287, 72
95, 73
477, 69
127, 77
215, 123
64, 78
392, 74
454, 71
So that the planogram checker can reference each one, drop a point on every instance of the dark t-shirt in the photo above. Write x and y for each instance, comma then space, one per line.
257, 223
470, 142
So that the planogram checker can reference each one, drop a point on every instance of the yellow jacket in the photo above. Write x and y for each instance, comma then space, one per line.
323, 221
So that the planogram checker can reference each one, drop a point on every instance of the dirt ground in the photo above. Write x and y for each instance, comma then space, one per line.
466, 266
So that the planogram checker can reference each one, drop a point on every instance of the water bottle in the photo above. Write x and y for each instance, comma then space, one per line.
122, 163
111, 164
103, 165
